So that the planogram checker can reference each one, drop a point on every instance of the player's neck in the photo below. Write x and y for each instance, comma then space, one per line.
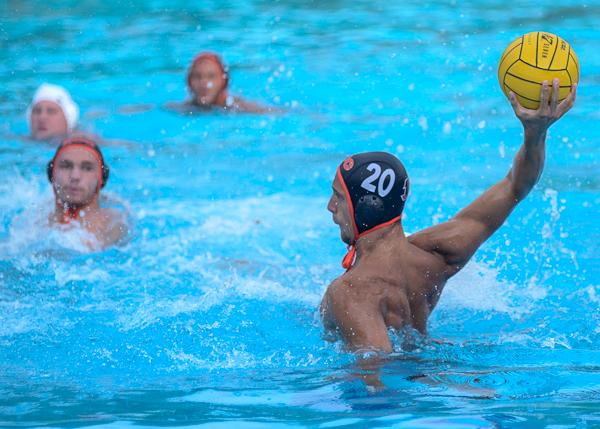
368, 243
65, 212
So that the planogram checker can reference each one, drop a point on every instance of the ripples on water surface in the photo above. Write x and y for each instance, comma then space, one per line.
208, 316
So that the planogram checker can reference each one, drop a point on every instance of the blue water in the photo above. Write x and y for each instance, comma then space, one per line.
208, 316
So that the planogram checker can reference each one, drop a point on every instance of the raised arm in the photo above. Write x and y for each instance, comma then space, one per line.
458, 239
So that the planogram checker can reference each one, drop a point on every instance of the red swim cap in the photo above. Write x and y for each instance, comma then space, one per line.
211, 56
89, 144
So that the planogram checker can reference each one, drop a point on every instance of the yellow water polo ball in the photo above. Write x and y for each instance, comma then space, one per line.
533, 58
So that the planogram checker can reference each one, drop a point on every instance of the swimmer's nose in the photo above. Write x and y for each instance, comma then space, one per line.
331, 205
75, 174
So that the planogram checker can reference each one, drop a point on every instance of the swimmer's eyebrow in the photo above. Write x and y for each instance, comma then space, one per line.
88, 164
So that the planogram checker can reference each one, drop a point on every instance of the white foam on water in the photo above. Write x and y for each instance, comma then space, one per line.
32, 314
478, 287
68, 273
239, 217
327, 398
153, 310
215, 279
29, 230
226, 357
215, 289
215, 225
261, 288
236, 356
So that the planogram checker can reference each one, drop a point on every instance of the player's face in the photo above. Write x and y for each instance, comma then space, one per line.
338, 206
206, 81
47, 121
76, 175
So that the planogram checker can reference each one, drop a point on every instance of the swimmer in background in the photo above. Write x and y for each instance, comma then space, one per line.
77, 173
394, 281
52, 113
208, 81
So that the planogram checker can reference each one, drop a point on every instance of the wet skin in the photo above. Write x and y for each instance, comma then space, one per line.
76, 183
47, 121
397, 280
207, 81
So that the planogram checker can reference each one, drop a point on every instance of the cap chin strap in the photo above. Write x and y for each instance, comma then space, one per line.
350, 258
71, 213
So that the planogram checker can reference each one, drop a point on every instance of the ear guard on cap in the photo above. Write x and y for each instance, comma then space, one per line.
369, 211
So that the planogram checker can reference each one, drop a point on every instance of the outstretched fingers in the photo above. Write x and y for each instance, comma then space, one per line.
549, 110
514, 102
565, 105
554, 96
544, 96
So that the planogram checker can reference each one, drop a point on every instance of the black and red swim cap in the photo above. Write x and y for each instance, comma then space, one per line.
376, 186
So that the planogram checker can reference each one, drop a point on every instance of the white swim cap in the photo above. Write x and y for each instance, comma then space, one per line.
60, 96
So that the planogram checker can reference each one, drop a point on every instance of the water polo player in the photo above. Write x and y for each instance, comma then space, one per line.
208, 84
392, 280
52, 113
77, 173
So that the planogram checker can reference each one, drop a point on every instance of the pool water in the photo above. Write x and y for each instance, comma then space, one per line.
208, 316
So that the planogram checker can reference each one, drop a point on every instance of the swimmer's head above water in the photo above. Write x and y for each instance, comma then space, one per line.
77, 173
207, 80
52, 113
369, 192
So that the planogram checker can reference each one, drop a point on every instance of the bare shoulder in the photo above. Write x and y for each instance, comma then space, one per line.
326, 307
335, 294
112, 227
356, 292
352, 308
425, 246
244, 106
115, 218
110, 215
453, 242
424, 239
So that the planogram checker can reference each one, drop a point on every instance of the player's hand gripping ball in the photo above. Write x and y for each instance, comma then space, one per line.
533, 58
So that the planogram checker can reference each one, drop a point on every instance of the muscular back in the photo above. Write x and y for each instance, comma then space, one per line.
393, 284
